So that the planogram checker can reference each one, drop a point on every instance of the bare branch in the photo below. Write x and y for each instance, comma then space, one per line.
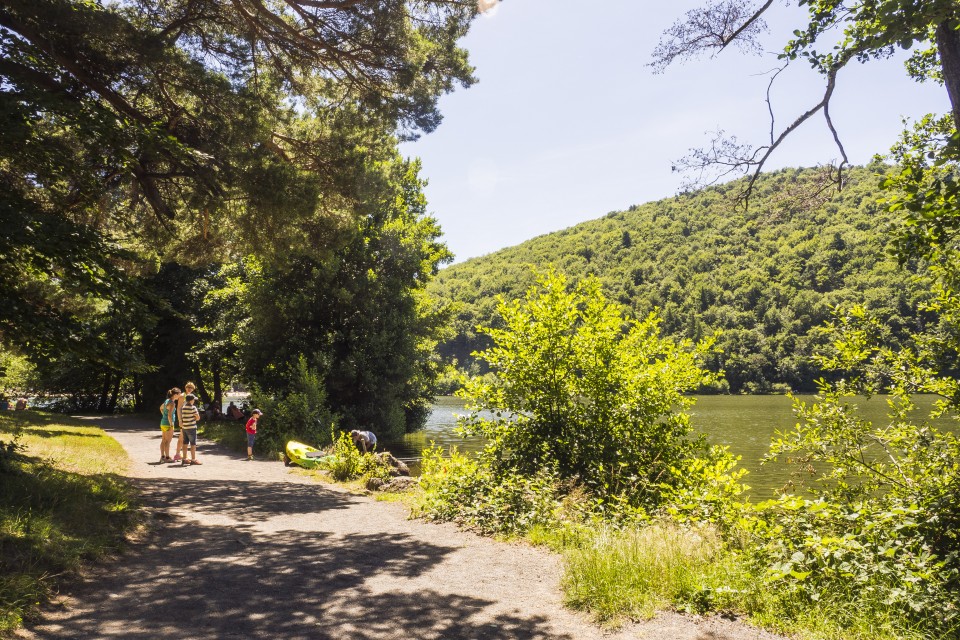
773, 118
727, 157
712, 27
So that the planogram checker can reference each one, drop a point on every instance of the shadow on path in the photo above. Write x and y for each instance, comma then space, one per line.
273, 557
200, 581
242, 500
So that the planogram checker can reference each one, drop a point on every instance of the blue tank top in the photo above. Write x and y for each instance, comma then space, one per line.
163, 412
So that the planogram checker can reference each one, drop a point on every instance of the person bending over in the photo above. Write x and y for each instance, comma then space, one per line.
366, 439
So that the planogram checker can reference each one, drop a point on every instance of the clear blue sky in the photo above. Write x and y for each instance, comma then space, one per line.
567, 122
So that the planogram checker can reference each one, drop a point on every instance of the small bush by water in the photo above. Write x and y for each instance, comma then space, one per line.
349, 463
62, 503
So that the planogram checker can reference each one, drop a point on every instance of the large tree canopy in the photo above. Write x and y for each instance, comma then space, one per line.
138, 131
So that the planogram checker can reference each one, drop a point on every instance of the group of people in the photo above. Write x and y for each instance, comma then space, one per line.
19, 405
180, 410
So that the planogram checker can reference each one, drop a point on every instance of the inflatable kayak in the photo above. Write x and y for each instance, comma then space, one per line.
303, 455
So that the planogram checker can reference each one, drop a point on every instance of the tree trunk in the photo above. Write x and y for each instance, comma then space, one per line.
201, 390
115, 393
217, 389
102, 405
948, 45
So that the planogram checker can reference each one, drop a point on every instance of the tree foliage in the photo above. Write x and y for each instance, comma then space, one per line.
579, 389
877, 542
376, 359
767, 278
138, 135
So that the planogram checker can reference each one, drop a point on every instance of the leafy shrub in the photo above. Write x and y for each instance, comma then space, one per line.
458, 488
346, 461
300, 414
709, 490
579, 389
349, 463
876, 539
863, 565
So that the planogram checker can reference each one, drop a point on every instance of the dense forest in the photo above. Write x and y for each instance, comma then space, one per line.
213, 192
767, 276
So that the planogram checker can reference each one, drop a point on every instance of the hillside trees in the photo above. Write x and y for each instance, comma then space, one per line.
193, 131
768, 277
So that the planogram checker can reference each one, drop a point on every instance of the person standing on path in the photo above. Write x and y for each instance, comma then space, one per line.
252, 431
188, 389
167, 421
189, 415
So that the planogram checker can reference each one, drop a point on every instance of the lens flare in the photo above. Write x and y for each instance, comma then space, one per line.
488, 6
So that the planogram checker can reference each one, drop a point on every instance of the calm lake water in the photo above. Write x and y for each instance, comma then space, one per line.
744, 423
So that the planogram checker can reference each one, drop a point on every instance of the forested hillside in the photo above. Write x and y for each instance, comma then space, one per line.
767, 277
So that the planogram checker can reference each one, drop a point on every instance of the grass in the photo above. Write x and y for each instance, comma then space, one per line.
632, 573
620, 574
63, 503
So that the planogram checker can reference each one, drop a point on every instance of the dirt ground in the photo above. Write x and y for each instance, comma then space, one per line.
242, 549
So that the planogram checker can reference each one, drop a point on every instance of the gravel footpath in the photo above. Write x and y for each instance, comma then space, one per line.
242, 549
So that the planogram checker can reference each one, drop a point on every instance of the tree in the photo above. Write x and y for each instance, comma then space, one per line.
579, 389
138, 136
882, 529
360, 316
192, 129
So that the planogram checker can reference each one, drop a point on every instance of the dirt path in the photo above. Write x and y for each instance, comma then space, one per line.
248, 550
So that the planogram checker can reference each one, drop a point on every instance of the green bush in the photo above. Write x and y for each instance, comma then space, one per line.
577, 388
458, 488
583, 414
349, 463
873, 543
710, 491
859, 566
300, 414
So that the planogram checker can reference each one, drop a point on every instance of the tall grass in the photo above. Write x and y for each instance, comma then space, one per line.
62, 503
634, 572
617, 574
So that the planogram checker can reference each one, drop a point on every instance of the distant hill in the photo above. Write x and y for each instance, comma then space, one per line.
767, 277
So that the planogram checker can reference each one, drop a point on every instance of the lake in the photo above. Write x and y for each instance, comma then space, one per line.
744, 423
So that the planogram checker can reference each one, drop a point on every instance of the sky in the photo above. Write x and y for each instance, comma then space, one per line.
568, 122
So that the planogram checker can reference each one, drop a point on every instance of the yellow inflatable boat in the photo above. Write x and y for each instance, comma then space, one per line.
303, 455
